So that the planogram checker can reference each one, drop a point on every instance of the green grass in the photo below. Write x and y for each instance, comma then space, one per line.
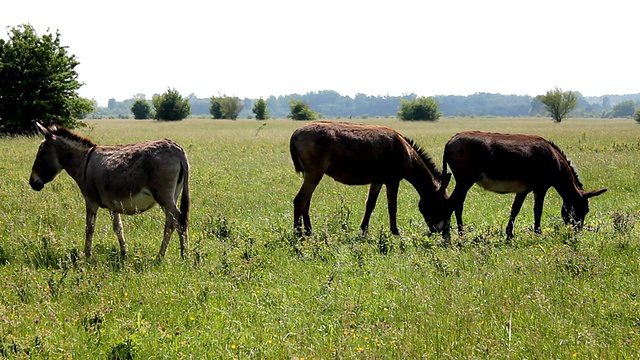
252, 290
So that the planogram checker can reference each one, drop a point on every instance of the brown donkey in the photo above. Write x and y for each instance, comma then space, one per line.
365, 154
507, 163
126, 179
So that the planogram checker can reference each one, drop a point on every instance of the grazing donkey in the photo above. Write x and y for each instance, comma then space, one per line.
126, 179
365, 154
507, 163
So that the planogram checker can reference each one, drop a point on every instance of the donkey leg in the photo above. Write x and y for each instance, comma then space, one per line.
169, 227
372, 198
515, 209
172, 214
538, 203
117, 228
302, 202
90, 229
183, 232
392, 205
457, 204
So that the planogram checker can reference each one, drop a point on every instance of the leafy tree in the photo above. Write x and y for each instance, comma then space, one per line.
636, 115
225, 107
141, 109
559, 103
231, 106
39, 81
260, 109
171, 106
624, 109
420, 108
301, 111
215, 107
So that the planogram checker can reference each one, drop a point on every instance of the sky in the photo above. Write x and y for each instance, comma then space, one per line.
258, 48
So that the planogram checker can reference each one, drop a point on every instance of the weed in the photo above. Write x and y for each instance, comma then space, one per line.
124, 350
623, 221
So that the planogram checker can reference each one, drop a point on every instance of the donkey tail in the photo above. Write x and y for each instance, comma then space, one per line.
185, 198
444, 164
294, 157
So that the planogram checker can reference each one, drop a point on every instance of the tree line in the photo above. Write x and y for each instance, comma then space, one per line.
331, 104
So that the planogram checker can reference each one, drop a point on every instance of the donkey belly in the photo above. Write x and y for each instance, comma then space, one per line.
501, 186
134, 204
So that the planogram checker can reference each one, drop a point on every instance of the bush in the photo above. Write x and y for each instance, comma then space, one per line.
225, 107
260, 109
421, 108
141, 109
171, 106
636, 115
301, 111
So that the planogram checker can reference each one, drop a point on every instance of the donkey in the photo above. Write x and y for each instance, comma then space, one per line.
365, 154
125, 179
520, 164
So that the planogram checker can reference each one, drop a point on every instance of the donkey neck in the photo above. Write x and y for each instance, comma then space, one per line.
567, 184
422, 178
71, 156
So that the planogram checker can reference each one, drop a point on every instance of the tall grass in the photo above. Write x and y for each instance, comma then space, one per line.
252, 290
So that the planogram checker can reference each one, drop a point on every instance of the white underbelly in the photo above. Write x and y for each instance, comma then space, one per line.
501, 186
135, 204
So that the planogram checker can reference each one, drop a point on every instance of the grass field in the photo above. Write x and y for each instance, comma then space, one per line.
252, 290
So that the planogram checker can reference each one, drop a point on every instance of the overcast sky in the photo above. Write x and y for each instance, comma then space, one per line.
257, 48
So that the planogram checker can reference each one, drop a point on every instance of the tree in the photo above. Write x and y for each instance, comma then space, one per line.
624, 109
559, 103
231, 107
39, 81
225, 107
420, 108
260, 109
301, 111
636, 115
215, 108
171, 106
141, 109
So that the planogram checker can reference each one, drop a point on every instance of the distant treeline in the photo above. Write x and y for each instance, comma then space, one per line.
330, 104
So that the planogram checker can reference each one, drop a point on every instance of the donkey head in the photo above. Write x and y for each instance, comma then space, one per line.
46, 166
435, 211
574, 213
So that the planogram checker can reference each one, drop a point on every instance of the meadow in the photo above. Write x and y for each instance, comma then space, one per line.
251, 289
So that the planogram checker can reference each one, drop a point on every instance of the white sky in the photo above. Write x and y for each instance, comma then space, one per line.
254, 48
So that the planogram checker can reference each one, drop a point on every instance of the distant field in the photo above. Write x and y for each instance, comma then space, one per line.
252, 290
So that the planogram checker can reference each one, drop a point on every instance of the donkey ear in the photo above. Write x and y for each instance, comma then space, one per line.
42, 129
593, 193
444, 180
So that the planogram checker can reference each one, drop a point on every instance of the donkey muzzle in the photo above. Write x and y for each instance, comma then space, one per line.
36, 184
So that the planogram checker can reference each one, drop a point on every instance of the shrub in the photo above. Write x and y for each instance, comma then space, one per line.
421, 108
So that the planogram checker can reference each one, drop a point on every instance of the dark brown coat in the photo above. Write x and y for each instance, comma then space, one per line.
364, 154
511, 163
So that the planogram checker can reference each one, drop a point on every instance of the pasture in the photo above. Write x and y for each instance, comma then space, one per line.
250, 289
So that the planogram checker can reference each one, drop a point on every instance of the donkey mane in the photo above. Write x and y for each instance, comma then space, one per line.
67, 134
572, 166
424, 156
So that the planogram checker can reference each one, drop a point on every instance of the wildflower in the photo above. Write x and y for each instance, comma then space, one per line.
233, 346
37, 320
359, 349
